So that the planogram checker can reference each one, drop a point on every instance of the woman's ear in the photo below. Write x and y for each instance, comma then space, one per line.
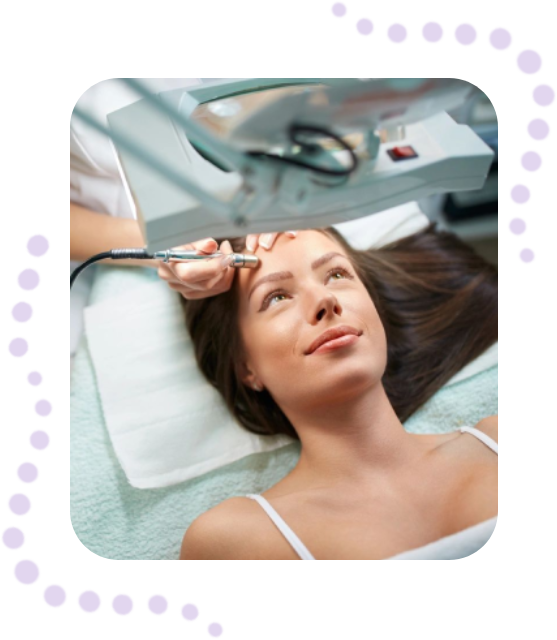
245, 374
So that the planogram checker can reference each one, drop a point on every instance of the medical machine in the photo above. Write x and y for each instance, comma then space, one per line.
234, 157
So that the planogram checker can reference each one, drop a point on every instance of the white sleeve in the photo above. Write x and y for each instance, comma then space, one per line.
95, 181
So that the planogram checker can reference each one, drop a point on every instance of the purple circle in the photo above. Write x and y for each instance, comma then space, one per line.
339, 9
34, 378
538, 129
215, 630
520, 194
529, 62
18, 347
37, 246
13, 538
22, 312
54, 596
531, 161
397, 33
26, 571
500, 38
190, 612
527, 255
543, 95
19, 504
28, 279
43, 407
122, 605
27, 472
465, 34
432, 32
89, 601
518, 226
365, 26
157, 604
39, 440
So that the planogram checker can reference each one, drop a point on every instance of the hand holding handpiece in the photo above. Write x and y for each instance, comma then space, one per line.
204, 278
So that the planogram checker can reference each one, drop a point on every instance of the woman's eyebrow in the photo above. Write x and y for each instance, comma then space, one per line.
285, 275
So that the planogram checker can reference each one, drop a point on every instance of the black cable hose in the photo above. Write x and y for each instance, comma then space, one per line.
297, 129
114, 254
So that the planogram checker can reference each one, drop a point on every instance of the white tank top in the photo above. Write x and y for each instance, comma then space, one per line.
458, 545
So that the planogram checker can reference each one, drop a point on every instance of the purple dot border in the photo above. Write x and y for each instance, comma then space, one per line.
529, 62
15, 537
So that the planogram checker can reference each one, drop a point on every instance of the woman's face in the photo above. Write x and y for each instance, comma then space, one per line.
302, 289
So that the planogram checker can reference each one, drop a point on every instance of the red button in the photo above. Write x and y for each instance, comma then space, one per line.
404, 152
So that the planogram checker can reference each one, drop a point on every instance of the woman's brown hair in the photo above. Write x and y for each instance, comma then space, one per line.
437, 300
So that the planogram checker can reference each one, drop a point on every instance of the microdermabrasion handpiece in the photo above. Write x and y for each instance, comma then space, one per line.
176, 255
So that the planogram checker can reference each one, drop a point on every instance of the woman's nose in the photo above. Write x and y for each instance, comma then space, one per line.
328, 305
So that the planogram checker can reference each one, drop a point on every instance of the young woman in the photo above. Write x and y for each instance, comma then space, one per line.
337, 348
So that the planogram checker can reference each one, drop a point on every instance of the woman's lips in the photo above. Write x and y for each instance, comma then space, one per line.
337, 343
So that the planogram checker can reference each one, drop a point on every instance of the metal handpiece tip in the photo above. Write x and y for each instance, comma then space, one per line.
246, 261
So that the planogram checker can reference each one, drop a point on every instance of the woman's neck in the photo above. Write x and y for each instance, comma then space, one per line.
354, 440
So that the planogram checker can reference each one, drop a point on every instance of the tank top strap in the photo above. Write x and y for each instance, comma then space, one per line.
490, 442
281, 525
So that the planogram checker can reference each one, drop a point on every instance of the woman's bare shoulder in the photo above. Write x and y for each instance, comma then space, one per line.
222, 533
489, 427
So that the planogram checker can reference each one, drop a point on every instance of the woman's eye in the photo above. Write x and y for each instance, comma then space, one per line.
280, 292
340, 271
